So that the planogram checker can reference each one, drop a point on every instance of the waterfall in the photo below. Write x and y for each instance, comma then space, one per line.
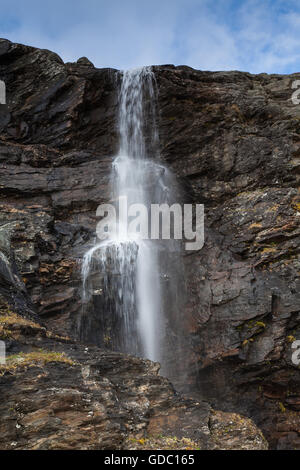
123, 275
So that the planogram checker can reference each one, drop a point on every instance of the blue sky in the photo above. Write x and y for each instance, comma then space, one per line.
249, 35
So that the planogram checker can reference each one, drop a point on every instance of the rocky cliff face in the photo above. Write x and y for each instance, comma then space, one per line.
233, 141
234, 138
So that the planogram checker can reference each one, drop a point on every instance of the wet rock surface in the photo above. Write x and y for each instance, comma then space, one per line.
233, 141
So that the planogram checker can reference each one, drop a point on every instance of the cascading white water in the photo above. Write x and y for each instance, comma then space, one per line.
129, 269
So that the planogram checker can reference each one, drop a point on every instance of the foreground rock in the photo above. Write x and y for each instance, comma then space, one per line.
67, 396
